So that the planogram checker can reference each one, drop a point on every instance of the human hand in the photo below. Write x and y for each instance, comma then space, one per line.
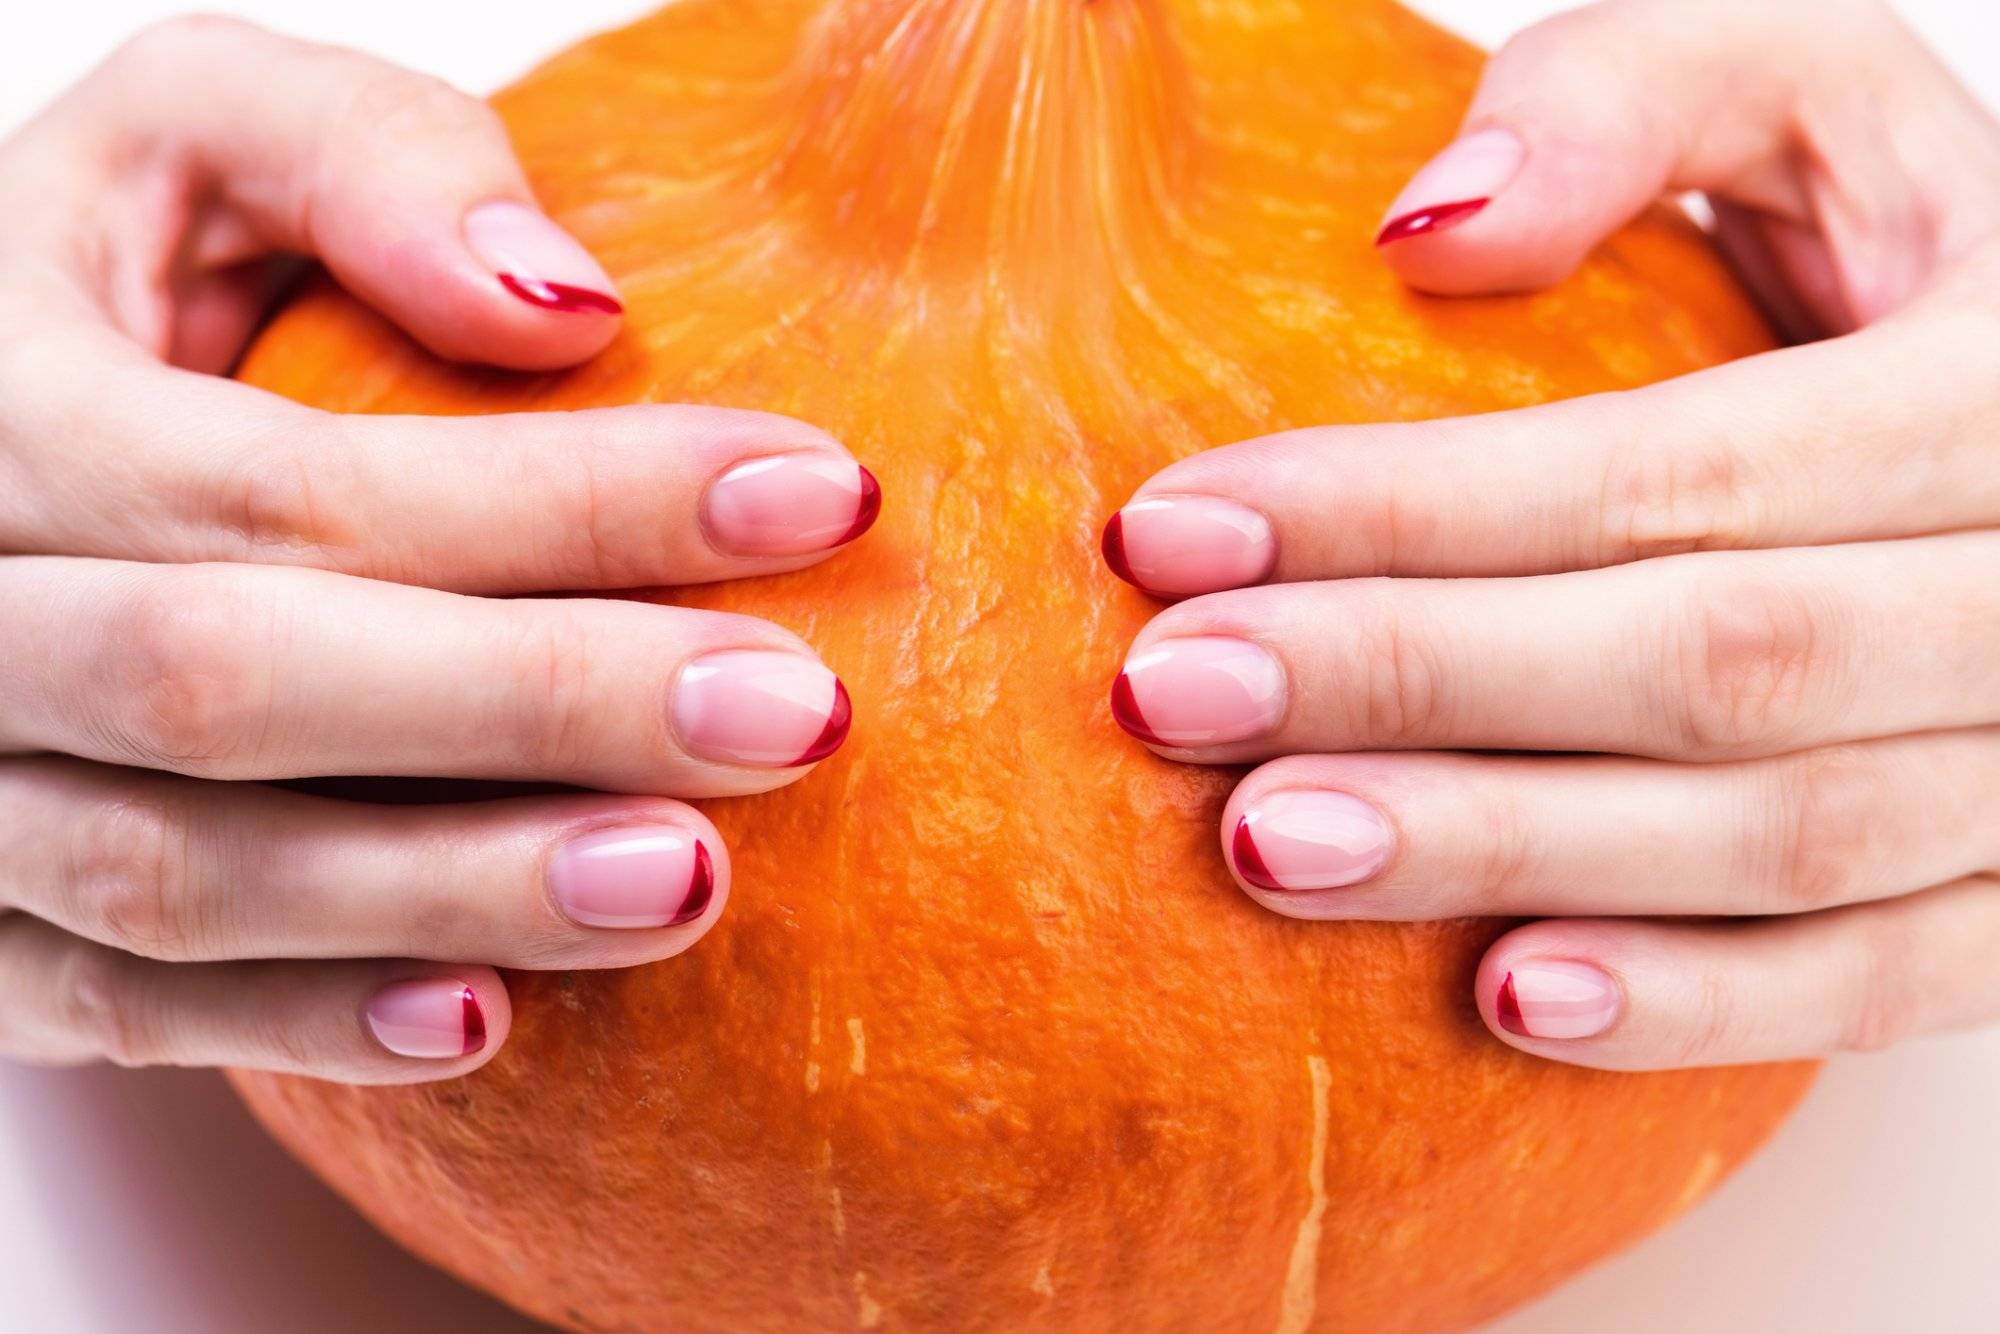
1766, 596
207, 583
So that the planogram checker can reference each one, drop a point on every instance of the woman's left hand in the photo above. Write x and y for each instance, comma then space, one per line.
1763, 600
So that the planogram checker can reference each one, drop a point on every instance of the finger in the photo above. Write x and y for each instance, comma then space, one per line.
182, 870
242, 671
375, 1021
1648, 996
1693, 657
118, 457
1414, 837
1738, 456
408, 189
1584, 120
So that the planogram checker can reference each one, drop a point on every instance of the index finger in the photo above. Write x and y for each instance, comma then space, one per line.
1848, 440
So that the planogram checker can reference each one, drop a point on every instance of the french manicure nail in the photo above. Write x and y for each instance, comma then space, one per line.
1199, 691
638, 877
432, 1019
1310, 839
790, 504
1176, 546
760, 707
1556, 998
1455, 184
537, 260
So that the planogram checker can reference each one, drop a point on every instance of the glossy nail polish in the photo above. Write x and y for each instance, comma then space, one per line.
1455, 185
1310, 839
431, 1019
765, 708
538, 261
1556, 998
1178, 546
633, 878
790, 505
1199, 691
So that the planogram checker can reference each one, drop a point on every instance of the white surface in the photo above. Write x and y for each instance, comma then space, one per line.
149, 1203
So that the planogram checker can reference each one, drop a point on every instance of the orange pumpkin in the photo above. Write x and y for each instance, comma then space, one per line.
988, 1040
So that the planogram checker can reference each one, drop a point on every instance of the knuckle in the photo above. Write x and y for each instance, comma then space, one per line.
389, 104
1715, 1028
1666, 501
1830, 817
1749, 655
127, 879
285, 503
97, 1002
187, 692
551, 721
1886, 989
610, 550
1401, 699
166, 43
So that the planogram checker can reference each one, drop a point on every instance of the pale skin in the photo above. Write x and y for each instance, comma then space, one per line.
1751, 618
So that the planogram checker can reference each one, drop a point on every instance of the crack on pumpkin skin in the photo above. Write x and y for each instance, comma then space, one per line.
1301, 1297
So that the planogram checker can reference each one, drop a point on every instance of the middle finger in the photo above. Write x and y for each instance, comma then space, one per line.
257, 672
1706, 656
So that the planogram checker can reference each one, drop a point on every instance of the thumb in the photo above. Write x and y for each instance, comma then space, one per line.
1583, 121
406, 189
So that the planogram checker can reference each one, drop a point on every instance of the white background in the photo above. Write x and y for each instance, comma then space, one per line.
149, 1203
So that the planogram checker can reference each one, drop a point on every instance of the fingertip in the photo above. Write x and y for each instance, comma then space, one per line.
503, 285
1542, 992
537, 262
431, 1022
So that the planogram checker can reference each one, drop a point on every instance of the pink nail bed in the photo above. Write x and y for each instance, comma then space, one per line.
633, 878
760, 707
538, 261
1176, 546
431, 1019
1310, 839
1556, 998
1199, 691
790, 505
1455, 185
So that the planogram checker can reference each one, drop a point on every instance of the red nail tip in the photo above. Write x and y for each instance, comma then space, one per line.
1507, 1008
561, 296
1125, 708
1437, 218
473, 1020
701, 887
1249, 861
865, 512
1114, 549
835, 731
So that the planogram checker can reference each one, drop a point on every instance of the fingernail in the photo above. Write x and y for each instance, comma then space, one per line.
537, 260
1175, 546
770, 709
791, 504
1555, 998
1310, 839
1455, 184
432, 1019
641, 877
1200, 691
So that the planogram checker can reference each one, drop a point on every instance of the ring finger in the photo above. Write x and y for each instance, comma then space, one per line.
181, 870
1407, 837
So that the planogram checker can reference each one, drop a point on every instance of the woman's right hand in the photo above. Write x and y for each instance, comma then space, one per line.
206, 584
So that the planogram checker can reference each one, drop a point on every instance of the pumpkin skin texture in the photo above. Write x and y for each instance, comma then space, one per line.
988, 1040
